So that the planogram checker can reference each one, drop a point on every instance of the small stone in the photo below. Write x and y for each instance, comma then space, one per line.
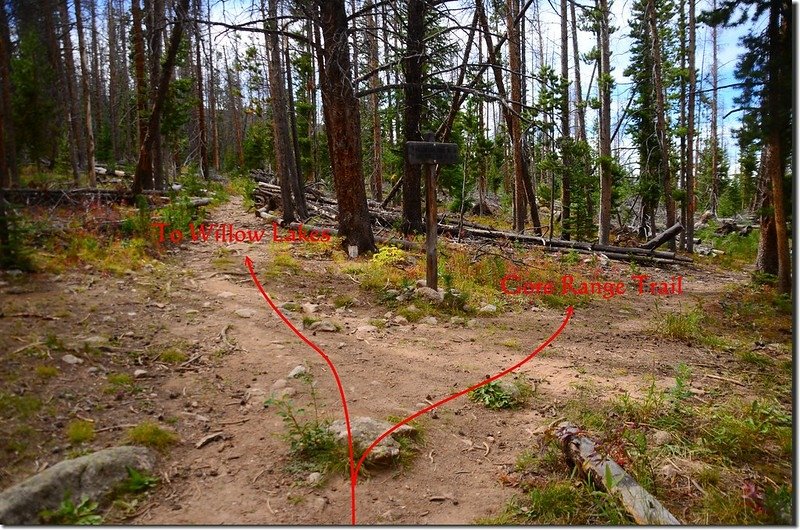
71, 359
366, 329
139, 373
297, 371
392, 292
660, 438
420, 283
314, 478
323, 325
488, 308
388, 315
93, 369
192, 311
310, 308
457, 321
429, 294
472, 323
319, 503
277, 385
412, 308
245, 313
225, 294
284, 393
400, 320
431, 321
291, 306
206, 305
174, 394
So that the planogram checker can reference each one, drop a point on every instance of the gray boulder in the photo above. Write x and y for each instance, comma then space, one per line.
365, 431
93, 476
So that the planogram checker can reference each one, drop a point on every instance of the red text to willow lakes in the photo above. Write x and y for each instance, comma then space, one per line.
227, 233
641, 284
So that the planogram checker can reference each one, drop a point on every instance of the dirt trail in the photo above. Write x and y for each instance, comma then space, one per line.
388, 373
243, 478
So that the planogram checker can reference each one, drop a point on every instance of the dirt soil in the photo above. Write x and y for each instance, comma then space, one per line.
191, 303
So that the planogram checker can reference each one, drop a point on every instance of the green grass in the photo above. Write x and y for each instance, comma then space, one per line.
343, 300
46, 371
117, 382
150, 434
80, 431
20, 407
172, 356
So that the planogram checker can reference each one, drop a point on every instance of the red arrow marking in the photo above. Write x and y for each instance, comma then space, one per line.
354, 468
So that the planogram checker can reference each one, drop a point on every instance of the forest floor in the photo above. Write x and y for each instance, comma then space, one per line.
693, 390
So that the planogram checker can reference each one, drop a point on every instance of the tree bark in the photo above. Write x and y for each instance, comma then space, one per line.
690, 131
5, 99
72, 95
156, 18
201, 104
714, 196
376, 182
767, 256
153, 134
144, 168
413, 65
512, 8
604, 87
565, 133
342, 122
87, 99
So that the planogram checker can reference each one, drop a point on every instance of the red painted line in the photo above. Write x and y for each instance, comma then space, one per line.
354, 468
317, 349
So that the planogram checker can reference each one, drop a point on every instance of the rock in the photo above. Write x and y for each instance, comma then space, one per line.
392, 293
284, 393
488, 308
429, 294
95, 341
457, 321
245, 313
412, 308
366, 329
139, 373
472, 323
310, 308
509, 388
365, 430
280, 383
660, 438
92, 369
71, 359
225, 294
431, 321
400, 320
323, 325
297, 371
319, 503
292, 306
420, 283
94, 476
314, 478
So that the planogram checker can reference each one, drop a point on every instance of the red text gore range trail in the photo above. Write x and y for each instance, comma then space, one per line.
514, 284
227, 233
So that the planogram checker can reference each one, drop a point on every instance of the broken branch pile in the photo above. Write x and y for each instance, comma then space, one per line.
267, 197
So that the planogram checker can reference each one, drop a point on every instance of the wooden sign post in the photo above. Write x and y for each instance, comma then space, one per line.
429, 154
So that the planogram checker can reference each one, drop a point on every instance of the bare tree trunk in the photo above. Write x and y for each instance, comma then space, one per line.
512, 9
690, 132
87, 99
212, 95
767, 257
565, 135
342, 121
201, 105
580, 110
604, 86
682, 122
234, 104
72, 96
156, 18
153, 133
10, 161
145, 166
714, 197
298, 165
661, 125
377, 139
113, 65
97, 74
413, 65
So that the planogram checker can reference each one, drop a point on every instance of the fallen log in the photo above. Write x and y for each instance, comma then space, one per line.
607, 474
402, 243
667, 235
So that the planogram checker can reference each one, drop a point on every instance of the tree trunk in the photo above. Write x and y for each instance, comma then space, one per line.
97, 74
512, 8
777, 106
682, 118
767, 257
87, 99
565, 135
580, 111
661, 119
145, 166
714, 196
72, 95
342, 122
604, 87
298, 165
5, 100
156, 19
113, 64
413, 65
153, 134
377, 138
690, 131
201, 104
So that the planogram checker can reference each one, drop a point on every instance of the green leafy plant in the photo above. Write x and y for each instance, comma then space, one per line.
69, 513
495, 395
137, 481
79, 431
151, 435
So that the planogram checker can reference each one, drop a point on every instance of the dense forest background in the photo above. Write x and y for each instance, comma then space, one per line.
327, 93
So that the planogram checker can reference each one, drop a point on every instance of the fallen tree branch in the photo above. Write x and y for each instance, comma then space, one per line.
606, 473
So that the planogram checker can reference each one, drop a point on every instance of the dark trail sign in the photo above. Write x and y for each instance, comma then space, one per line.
429, 154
